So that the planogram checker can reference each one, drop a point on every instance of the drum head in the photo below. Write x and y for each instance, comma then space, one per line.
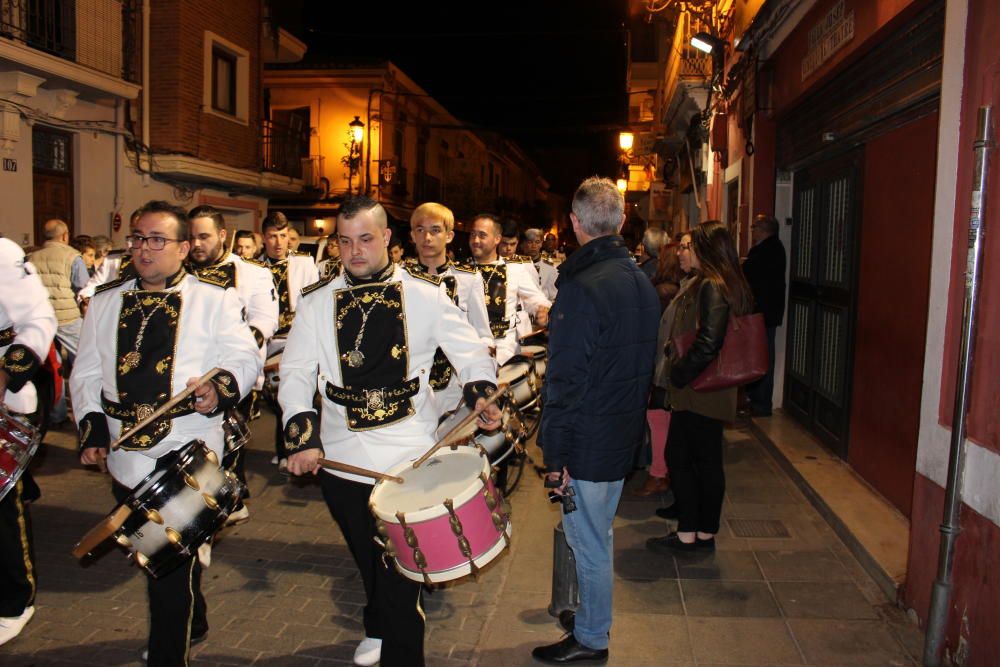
447, 474
535, 350
513, 371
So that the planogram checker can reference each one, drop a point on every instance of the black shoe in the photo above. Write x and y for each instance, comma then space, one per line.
144, 655
756, 411
567, 620
569, 650
667, 512
670, 544
705, 545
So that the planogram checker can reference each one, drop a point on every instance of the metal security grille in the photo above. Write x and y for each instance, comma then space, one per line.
50, 151
800, 316
759, 528
831, 344
804, 247
835, 264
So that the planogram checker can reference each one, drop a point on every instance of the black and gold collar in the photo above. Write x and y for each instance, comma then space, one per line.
172, 281
380, 276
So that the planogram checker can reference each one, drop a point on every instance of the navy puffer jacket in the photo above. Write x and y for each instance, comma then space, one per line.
602, 343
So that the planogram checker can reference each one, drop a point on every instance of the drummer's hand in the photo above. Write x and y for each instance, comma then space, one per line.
94, 456
206, 399
491, 418
542, 317
304, 462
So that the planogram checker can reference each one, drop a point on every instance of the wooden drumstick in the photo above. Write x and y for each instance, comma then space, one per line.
166, 406
446, 440
354, 470
101, 531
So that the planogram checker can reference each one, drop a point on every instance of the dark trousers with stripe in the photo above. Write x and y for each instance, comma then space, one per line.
177, 610
694, 457
17, 557
393, 612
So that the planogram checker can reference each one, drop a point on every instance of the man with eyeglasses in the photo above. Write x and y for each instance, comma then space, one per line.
290, 274
252, 281
144, 340
764, 269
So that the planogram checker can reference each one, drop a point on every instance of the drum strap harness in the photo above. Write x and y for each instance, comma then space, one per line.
373, 405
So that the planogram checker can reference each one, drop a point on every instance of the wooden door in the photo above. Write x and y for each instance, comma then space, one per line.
52, 167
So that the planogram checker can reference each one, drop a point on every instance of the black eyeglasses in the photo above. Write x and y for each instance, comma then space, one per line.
134, 242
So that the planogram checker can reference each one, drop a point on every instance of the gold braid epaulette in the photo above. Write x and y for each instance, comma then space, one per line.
415, 271
255, 262
111, 285
519, 259
465, 268
309, 289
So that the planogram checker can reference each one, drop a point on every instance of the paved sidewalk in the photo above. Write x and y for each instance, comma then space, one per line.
282, 588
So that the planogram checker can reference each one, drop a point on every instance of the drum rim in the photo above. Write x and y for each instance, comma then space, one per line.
437, 510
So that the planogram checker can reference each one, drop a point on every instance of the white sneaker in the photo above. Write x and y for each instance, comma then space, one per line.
368, 652
274, 460
205, 554
283, 465
11, 627
242, 515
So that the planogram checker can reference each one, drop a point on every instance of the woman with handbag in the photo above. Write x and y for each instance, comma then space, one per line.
702, 309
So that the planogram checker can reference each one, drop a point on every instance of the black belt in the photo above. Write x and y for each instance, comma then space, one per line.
372, 398
136, 412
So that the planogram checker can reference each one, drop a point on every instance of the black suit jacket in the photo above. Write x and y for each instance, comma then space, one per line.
764, 269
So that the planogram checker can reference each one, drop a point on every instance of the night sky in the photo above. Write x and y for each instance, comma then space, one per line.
548, 74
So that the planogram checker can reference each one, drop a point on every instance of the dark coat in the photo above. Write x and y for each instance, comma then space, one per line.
602, 343
764, 269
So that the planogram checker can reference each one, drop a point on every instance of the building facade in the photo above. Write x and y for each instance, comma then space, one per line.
107, 104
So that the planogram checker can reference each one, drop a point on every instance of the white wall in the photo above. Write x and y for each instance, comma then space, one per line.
16, 203
783, 212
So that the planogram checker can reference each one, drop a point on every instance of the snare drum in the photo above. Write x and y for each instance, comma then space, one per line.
18, 442
446, 520
498, 444
176, 508
271, 378
519, 375
538, 355
235, 430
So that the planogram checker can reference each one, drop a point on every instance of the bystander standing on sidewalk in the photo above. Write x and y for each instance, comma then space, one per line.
764, 269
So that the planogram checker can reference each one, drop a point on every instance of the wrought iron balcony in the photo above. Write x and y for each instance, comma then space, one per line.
283, 149
103, 35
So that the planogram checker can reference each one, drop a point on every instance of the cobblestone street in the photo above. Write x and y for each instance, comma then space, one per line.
282, 588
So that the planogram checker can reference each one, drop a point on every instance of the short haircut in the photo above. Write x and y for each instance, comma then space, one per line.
166, 208
653, 241
508, 229
532, 234
245, 234
81, 243
599, 206
434, 211
332, 237
208, 212
396, 243
768, 222
101, 242
497, 227
274, 220
54, 229
355, 205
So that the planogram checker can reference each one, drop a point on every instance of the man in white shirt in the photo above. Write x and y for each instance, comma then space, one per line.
290, 274
367, 338
432, 228
144, 340
508, 285
531, 247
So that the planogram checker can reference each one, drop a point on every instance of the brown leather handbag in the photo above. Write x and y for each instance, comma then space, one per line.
742, 359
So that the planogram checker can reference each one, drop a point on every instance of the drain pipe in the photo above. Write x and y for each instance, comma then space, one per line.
937, 617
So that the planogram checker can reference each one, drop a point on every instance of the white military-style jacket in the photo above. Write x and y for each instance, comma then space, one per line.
27, 326
547, 275
522, 291
312, 361
105, 273
208, 329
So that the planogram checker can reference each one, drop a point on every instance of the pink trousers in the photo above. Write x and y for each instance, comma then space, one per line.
659, 425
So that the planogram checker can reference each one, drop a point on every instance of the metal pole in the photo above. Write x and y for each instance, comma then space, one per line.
937, 617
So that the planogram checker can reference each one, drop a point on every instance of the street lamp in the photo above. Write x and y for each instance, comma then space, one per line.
626, 141
707, 43
622, 185
357, 130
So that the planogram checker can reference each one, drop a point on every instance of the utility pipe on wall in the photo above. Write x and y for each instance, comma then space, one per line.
937, 617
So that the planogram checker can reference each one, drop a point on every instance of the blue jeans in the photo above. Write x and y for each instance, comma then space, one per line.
589, 534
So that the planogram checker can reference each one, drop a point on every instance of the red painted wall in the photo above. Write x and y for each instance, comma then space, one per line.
976, 592
894, 279
871, 19
981, 86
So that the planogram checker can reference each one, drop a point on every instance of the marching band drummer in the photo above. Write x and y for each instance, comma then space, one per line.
144, 340
290, 272
211, 261
508, 284
367, 339
432, 228
27, 327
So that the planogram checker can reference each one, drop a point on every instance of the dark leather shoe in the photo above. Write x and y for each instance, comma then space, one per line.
705, 545
669, 545
667, 512
567, 651
567, 620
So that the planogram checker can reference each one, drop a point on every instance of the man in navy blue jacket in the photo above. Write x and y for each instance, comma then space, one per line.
602, 342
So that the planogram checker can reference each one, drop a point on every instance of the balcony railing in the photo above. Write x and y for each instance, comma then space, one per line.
103, 35
282, 149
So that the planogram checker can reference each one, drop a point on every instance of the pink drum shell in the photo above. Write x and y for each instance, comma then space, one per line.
432, 528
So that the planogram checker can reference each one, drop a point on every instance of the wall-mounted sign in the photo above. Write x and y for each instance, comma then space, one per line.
827, 37
9, 164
